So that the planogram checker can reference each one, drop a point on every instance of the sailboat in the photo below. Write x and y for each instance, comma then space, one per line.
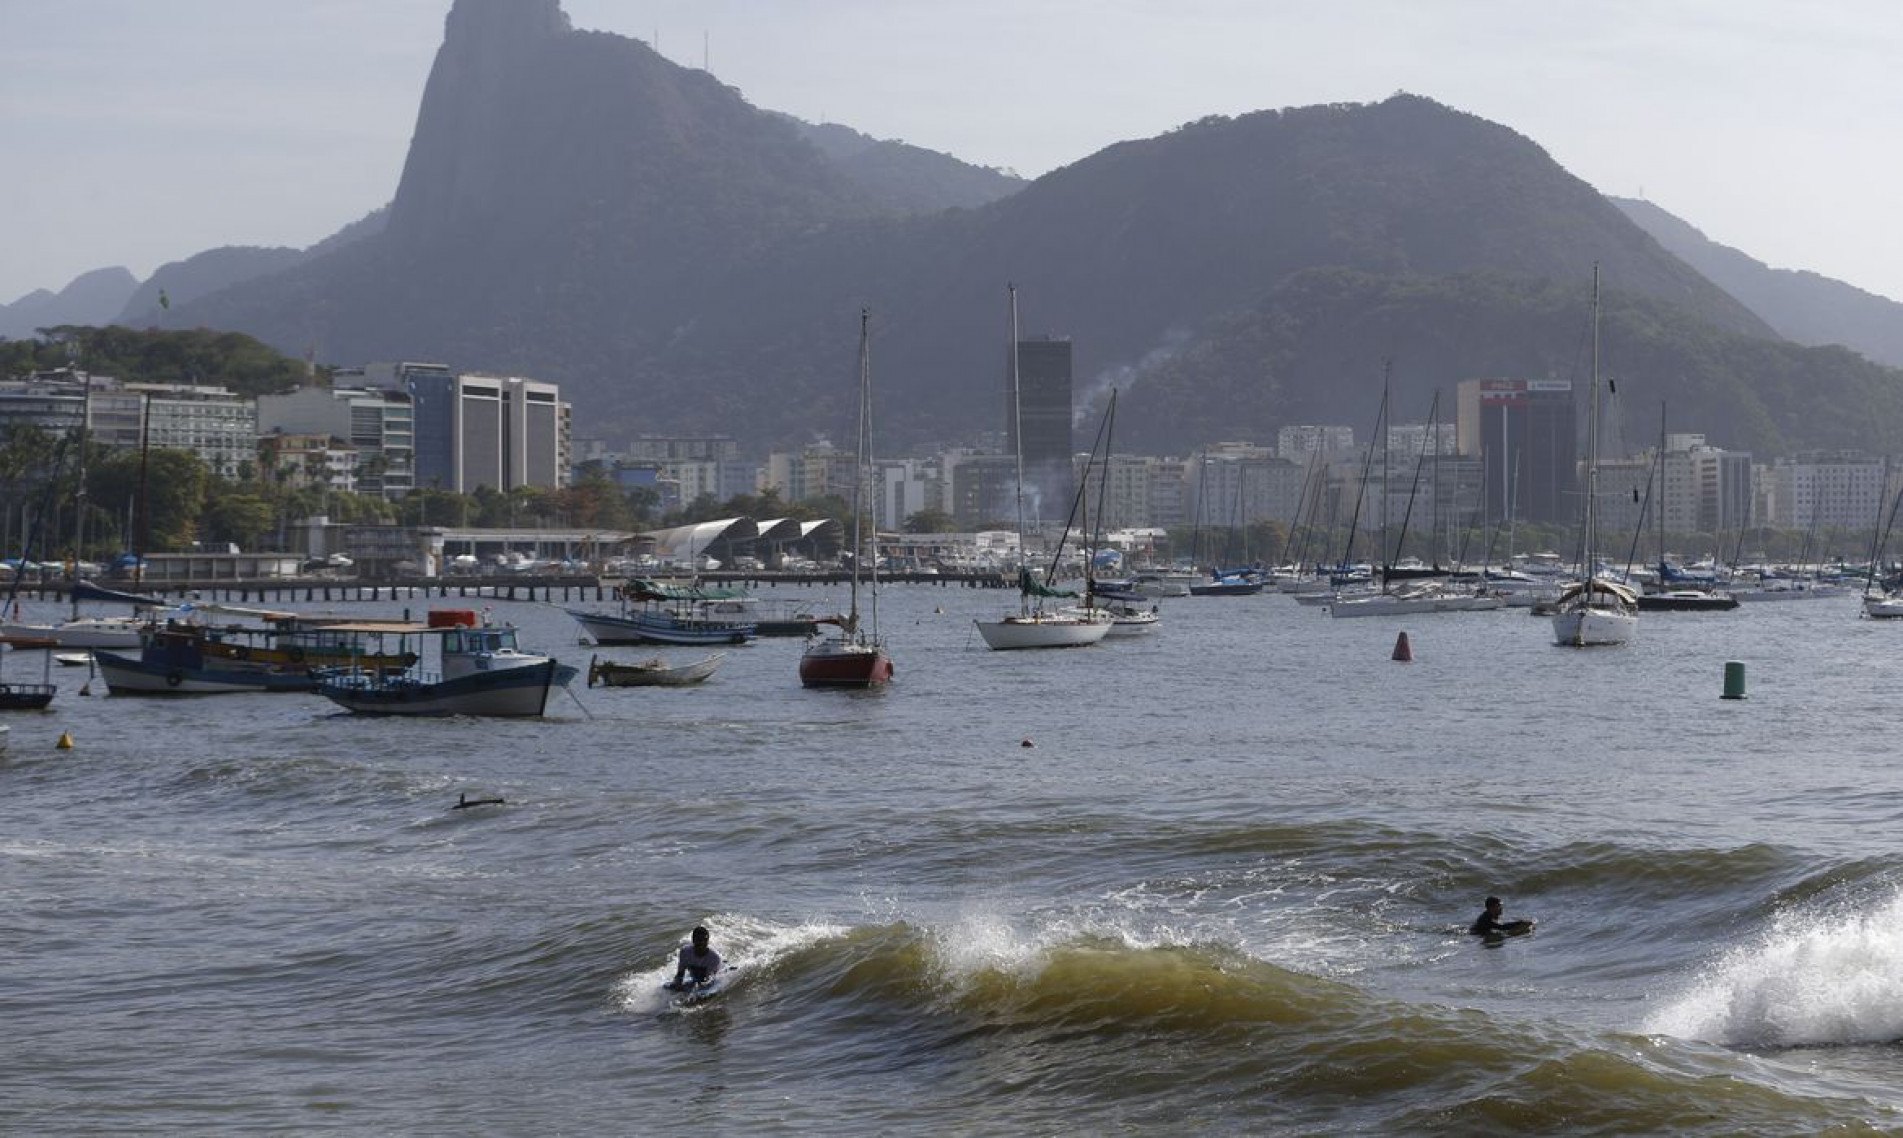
1130, 613
1678, 591
854, 656
1594, 611
1034, 626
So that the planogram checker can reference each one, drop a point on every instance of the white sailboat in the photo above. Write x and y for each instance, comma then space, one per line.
1034, 625
1594, 611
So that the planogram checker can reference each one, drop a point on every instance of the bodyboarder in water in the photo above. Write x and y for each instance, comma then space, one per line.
1489, 924
698, 960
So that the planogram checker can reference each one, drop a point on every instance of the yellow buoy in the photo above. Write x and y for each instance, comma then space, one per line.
65, 741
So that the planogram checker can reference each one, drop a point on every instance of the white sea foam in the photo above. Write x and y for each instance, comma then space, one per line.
744, 943
1815, 977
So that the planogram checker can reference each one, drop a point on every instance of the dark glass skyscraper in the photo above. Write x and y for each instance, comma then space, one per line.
1043, 409
1524, 431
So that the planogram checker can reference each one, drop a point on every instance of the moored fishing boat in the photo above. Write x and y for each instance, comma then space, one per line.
653, 613
188, 655
505, 685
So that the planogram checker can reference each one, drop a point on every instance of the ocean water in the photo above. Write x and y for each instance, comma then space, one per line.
1216, 879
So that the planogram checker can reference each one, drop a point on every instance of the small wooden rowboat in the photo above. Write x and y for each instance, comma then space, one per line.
651, 673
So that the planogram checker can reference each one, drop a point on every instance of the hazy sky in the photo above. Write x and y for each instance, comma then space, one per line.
136, 132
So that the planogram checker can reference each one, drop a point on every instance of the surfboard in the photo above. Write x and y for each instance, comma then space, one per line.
690, 992
1507, 929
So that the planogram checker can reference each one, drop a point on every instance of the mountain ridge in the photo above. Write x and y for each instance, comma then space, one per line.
578, 208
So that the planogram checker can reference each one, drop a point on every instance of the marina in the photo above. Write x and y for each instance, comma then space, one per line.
1119, 897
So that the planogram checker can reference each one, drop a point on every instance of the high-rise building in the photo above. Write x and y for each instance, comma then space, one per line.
218, 425
485, 430
1829, 490
1042, 410
984, 489
378, 422
1523, 432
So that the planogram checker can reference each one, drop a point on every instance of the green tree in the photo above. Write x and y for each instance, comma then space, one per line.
173, 495
232, 515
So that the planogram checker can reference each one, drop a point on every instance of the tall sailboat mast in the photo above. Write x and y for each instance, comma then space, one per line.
79, 492
1017, 431
865, 472
1592, 436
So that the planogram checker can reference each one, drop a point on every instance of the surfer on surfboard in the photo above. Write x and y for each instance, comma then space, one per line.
1490, 924
698, 960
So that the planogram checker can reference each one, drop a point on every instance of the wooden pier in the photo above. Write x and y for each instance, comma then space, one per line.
550, 589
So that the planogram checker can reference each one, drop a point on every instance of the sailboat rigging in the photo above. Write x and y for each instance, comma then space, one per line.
1594, 611
855, 657
1124, 609
1033, 625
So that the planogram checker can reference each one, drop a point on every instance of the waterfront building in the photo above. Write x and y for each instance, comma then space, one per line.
485, 430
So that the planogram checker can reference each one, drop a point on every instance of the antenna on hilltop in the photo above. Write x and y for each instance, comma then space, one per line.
703, 52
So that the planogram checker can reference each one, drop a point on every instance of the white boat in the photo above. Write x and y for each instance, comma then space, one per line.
1042, 630
1126, 618
1595, 612
1415, 597
1034, 625
1164, 582
82, 631
655, 672
1883, 606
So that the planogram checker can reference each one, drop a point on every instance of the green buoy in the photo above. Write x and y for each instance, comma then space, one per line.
1734, 680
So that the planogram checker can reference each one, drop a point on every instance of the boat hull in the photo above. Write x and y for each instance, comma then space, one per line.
1020, 632
128, 675
831, 664
651, 675
1883, 608
1593, 627
513, 692
660, 628
1687, 601
1226, 589
103, 632
26, 697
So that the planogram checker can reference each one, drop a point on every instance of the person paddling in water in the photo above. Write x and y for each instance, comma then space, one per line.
698, 961
1490, 924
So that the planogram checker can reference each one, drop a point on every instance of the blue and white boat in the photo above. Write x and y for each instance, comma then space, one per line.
653, 613
189, 655
483, 672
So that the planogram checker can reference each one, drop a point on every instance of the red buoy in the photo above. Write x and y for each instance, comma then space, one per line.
1403, 653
